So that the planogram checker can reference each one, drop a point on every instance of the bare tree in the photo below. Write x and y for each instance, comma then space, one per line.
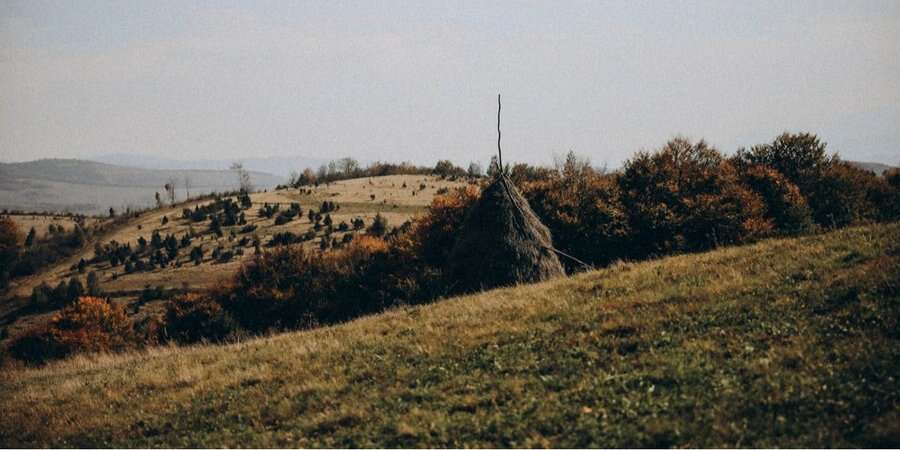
348, 166
475, 170
572, 164
170, 190
187, 186
243, 177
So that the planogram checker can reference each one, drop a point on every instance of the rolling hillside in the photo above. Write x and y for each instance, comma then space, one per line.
88, 187
281, 166
396, 198
788, 343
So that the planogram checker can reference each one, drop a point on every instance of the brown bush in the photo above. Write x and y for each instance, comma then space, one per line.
194, 317
687, 197
845, 195
800, 157
433, 234
886, 195
89, 325
892, 177
584, 213
784, 205
9, 248
291, 287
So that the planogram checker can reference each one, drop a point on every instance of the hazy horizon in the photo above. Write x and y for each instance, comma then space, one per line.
418, 82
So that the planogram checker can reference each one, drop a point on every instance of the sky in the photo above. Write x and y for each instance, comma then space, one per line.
417, 80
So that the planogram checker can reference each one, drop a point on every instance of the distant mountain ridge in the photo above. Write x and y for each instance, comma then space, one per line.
96, 173
878, 168
90, 187
276, 165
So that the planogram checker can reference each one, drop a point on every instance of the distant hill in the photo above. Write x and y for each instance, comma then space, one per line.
89, 187
276, 165
878, 168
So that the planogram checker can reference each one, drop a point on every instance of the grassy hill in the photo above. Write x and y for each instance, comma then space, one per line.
396, 197
789, 343
88, 187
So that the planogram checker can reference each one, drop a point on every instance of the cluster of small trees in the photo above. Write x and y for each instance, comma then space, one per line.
289, 214
326, 225
64, 293
347, 168
225, 210
687, 196
17, 260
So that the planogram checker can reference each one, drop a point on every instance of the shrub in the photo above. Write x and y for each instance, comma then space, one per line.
784, 205
291, 287
800, 157
886, 195
433, 235
379, 226
687, 197
9, 248
585, 215
90, 324
892, 177
283, 238
284, 217
194, 317
842, 195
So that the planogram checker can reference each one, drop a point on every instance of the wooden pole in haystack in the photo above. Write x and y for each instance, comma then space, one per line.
499, 152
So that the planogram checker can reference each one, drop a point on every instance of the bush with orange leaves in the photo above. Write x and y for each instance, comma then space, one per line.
89, 325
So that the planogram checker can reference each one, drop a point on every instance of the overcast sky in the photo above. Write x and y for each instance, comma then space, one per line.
418, 80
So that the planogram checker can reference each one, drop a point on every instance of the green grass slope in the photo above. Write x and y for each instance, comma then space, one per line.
789, 343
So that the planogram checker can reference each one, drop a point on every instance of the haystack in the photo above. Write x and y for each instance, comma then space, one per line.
502, 242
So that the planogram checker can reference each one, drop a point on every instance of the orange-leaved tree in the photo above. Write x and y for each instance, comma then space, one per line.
89, 325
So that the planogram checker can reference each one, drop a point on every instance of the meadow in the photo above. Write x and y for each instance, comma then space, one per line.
784, 343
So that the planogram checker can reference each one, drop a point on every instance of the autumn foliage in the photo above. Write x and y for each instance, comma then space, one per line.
683, 197
89, 325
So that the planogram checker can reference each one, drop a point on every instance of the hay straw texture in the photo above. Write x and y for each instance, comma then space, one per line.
502, 242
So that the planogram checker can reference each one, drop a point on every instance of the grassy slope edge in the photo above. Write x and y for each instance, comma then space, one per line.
790, 342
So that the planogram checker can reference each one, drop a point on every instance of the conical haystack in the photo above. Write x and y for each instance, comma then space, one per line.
502, 242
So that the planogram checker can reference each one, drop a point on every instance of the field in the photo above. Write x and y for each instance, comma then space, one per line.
397, 198
787, 343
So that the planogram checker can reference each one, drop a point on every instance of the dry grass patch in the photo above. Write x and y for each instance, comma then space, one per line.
783, 343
